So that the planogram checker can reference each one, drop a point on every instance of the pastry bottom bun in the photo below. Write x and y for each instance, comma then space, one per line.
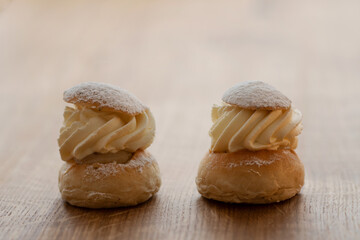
107, 185
250, 176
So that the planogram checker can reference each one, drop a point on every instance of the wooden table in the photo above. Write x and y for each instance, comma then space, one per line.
179, 57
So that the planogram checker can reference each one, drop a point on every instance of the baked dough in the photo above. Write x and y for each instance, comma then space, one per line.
104, 97
107, 185
250, 176
256, 95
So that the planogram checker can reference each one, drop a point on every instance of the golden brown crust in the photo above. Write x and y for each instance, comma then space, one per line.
107, 185
250, 176
104, 97
255, 95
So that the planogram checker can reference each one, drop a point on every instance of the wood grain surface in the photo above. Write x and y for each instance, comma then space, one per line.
179, 57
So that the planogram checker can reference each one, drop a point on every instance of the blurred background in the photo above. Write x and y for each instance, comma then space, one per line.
176, 44
179, 57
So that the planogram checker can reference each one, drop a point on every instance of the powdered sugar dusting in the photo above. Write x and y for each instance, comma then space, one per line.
251, 162
254, 160
256, 95
104, 95
257, 162
103, 170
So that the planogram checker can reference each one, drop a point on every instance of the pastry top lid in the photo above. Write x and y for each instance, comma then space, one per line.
104, 97
256, 95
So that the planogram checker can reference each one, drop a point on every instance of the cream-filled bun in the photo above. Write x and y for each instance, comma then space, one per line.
253, 137
102, 141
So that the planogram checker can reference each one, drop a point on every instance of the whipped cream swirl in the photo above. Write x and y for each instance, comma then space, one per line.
86, 131
235, 129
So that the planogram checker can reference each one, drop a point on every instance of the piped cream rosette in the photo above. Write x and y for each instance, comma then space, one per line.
236, 129
86, 132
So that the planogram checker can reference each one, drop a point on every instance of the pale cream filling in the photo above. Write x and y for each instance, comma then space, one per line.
120, 157
86, 131
235, 129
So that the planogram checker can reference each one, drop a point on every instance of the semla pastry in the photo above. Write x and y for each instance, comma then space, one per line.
103, 142
252, 157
